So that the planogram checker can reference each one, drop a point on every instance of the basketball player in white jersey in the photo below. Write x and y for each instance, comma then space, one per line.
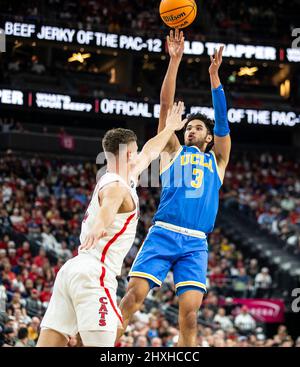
84, 293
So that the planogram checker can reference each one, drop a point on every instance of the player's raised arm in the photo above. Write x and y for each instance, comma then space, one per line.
222, 141
111, 198
155, 146
175, 42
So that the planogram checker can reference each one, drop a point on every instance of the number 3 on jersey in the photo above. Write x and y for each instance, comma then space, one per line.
197, 182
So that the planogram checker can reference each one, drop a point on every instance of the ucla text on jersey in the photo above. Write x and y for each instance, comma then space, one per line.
190, 190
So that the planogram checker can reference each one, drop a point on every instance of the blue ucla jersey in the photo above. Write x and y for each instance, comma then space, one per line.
190, 190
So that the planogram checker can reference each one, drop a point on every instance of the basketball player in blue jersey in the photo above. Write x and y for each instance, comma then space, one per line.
191, 176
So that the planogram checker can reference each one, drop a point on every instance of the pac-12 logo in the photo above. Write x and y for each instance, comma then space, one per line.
103, 311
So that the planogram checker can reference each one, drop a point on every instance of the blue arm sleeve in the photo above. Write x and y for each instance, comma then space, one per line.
221, 127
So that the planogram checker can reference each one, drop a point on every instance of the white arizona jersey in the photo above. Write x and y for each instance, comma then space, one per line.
111, 249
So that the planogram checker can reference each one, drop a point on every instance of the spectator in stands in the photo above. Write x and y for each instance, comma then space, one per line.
14, 65
217, 279
16, 218
42, 190
9, 337
12, 256
24, 249
65, 253
16, 302
40, 259
23, 340
263, 284
49, 242
33, 304
7, 273
45, 295
241, 284
244, 321
36, 66
242, 342
208, 315
156, 342
62, 214
5, 222
3, 298
153, 329
5, 125
141, 341
34, 328
287, 343
253, 268
223, 320
21, 317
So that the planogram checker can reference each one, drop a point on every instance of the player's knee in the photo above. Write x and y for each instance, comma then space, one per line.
188, 319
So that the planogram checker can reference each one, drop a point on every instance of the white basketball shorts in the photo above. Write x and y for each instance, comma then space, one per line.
83, 300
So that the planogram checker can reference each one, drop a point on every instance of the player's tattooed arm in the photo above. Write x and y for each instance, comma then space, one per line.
222, 140
175, 43
110, 199
155, 146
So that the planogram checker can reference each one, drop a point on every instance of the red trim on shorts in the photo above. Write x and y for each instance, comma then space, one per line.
104, 252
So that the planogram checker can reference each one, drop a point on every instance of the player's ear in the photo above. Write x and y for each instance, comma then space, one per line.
209, 138
130, 156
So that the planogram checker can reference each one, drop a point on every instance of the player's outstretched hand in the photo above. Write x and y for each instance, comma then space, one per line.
174, 118
175, 43
216, 61
92, 238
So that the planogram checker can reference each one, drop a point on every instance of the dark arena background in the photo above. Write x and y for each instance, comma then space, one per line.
69, 71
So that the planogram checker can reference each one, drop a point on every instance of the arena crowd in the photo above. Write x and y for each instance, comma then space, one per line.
42, 202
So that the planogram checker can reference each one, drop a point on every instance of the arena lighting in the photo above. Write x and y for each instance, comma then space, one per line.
79, 57
17, 44
285, 89
113, 74
232, 78
247, 71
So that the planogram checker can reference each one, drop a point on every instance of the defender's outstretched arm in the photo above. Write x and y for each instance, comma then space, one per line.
155, 146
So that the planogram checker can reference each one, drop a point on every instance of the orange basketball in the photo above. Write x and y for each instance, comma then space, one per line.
178, 13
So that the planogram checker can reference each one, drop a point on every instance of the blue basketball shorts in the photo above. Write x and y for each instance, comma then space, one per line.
164, 250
